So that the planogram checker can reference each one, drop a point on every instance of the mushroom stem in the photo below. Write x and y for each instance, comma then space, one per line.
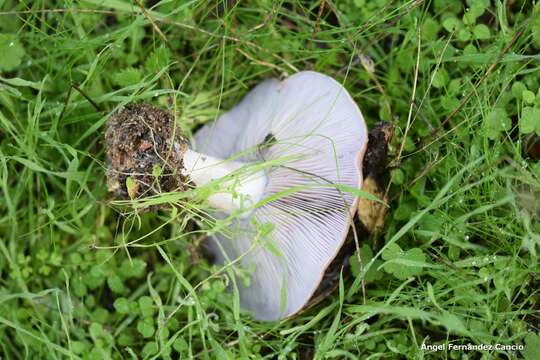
236, 193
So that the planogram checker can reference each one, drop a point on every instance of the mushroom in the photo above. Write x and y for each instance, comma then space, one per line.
286, 156
310, 120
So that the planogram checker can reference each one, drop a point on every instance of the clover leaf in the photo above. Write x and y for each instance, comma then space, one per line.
366, 255
430, 29
146, 327
496, 122
132, 269
463, 35
530, 120
441, 78
149, 349
403, 264
481, 32
532, 344
517, 89
451, 24
115, 284
146, 305
122, 305
11, 50
180, 344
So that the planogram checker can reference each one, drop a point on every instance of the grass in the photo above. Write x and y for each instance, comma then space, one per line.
457, 262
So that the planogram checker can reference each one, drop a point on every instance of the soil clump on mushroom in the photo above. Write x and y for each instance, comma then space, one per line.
144, 145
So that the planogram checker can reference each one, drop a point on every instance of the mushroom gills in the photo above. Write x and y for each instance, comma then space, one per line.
371, 214
313, 133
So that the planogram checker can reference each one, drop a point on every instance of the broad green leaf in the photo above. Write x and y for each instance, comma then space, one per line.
180, 344
150, 348
441, 78
529, 120
463, 35
480, 4
481, 32
11, 50
96, 330
496, 122
157, 60
469, 17
132, 269
430, 29
70, 175
22, 83
366, 254
115, 284
517, 89
397, 176
532, 346
453, 323
403, 264
449, 102
146, 305
122, 305
451, 24
146, 327
128, 76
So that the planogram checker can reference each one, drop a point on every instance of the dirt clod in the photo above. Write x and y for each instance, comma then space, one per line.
372, 213
144, 152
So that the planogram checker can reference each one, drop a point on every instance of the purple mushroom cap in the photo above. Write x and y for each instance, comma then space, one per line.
314, 130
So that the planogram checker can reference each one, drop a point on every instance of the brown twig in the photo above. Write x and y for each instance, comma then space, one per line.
152, 21
317, 26
261, 62
66, 102
59, 10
